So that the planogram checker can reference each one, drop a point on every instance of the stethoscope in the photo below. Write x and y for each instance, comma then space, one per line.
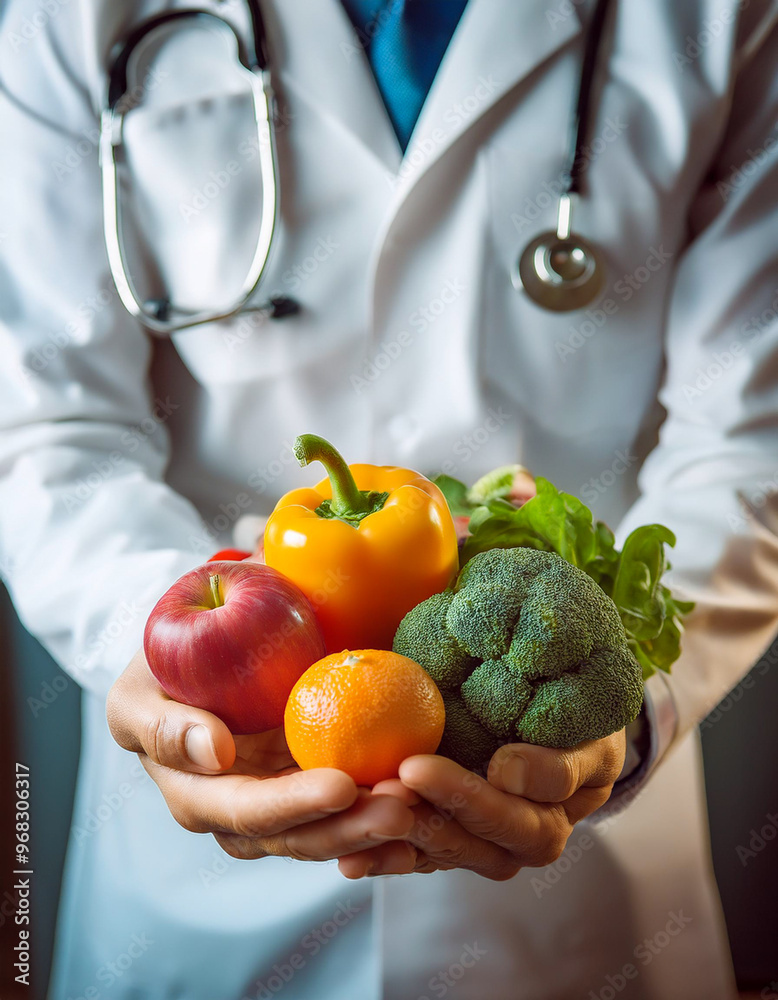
161, 315
559, 270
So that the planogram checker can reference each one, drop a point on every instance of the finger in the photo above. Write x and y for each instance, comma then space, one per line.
252, 807
585, 802
396, 857
263, 754
546, 775
371, 820
143, 719
447, 846
523, 487
446, 843
424, 864
393, 786
535, 834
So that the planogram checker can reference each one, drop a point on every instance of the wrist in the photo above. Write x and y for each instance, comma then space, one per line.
638, 744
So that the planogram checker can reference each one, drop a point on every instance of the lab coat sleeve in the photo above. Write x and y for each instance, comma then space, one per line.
713, 477
90, 534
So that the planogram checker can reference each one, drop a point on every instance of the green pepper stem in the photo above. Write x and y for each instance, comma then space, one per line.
216, 590
347, 500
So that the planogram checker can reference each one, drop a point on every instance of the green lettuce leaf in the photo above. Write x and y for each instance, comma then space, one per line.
455, 494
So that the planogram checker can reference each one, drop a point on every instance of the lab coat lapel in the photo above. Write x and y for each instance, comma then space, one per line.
497, 44
321, 57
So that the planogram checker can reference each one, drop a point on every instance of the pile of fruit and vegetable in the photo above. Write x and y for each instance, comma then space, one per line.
386, 614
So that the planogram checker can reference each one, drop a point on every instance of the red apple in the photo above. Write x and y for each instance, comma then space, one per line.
233, 555
233, 638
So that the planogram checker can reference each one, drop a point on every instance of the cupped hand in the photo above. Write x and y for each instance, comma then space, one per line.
520, 816
245, 790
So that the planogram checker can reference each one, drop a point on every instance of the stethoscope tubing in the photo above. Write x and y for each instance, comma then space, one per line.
534, 272
559, 270
164, 318
580, 124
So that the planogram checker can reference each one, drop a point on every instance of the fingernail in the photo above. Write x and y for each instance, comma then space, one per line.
514, 775
200, 749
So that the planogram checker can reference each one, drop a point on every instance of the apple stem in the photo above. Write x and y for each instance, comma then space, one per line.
216, 591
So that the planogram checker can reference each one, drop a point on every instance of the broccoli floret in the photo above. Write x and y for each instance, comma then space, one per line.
526, 647
481, 619
584, 705
496, 695
422, 636
464, 739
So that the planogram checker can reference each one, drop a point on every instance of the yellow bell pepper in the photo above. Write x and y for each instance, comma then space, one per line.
365, 545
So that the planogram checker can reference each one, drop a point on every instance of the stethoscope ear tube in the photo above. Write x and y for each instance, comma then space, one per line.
161, 316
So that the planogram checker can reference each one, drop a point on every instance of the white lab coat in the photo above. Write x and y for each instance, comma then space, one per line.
127, 460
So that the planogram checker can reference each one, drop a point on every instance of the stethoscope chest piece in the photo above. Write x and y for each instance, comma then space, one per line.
559, 270
560, 274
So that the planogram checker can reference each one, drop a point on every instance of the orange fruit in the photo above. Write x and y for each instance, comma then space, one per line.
363, 711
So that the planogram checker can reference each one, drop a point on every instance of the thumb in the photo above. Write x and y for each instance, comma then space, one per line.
143, 719
543, 774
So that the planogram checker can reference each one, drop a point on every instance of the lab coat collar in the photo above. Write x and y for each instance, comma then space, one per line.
497, 44
322, 57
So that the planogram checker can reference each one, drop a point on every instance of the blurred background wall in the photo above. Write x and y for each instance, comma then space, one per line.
39, 725
41, 728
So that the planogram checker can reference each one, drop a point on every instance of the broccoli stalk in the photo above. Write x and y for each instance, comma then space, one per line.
524, 647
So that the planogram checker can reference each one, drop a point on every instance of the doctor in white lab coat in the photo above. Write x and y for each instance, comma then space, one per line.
126, 459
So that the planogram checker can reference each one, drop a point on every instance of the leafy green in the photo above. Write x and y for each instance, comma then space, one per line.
463, 500
636, 589
497, 483
559, 522
455, 494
